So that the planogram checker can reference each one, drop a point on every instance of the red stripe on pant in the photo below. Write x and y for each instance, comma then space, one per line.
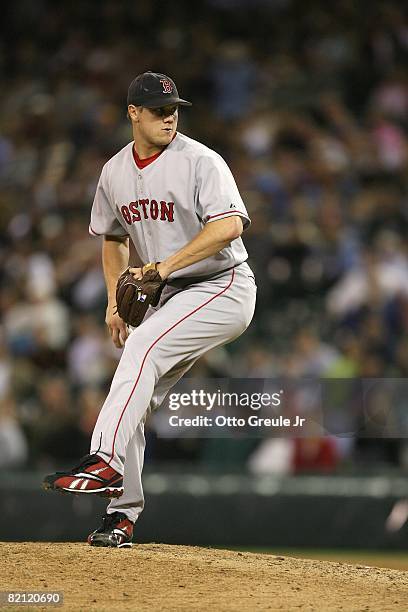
154, 344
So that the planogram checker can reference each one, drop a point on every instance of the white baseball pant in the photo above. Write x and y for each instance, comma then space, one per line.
187, 323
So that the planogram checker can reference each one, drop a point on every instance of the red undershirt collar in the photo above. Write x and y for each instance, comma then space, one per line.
142, 163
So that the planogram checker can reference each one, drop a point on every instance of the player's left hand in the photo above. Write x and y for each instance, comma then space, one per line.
116, 326
136, 290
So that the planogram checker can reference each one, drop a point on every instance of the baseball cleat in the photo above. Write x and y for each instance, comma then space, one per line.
116, 532
92, 475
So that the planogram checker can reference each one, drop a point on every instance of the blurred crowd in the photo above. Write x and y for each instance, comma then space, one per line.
307, 102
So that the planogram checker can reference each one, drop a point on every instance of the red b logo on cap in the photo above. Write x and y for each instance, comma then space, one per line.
167, 86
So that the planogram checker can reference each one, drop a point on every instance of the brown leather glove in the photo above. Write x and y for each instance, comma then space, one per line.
133, 297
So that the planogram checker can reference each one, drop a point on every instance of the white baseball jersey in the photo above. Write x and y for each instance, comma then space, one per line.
164, 205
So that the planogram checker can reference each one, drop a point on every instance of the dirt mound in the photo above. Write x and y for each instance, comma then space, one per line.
155, 577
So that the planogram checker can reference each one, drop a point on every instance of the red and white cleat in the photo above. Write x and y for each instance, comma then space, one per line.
116, 532
92, 475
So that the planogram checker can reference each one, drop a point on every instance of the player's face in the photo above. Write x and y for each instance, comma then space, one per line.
157, 126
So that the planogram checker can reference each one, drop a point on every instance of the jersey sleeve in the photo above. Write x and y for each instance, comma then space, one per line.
217, 193
104, 221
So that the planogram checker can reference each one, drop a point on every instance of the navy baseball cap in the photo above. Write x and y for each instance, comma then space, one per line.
152, 90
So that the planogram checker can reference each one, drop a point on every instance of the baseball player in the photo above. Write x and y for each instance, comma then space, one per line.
176, 201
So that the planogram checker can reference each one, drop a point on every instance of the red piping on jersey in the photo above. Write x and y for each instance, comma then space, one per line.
93, 233
229, 212
152, 345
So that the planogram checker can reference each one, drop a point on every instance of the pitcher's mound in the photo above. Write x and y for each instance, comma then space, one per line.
153, 577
